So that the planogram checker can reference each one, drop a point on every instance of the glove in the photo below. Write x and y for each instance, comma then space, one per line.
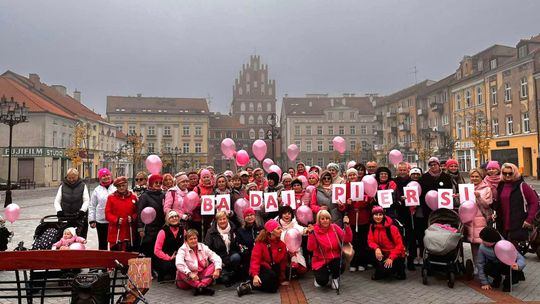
60, 213
82, 213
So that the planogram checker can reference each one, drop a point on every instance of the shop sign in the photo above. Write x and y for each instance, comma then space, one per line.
502, 143
33, 152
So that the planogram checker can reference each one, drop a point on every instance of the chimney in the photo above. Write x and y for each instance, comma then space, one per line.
77, 95
34, 79
60, 89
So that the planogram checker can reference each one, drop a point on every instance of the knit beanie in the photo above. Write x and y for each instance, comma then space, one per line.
415, 170
314, 175
332, 165
103, 171
248, 211
286, 176
351, 170
119, 180
451, 162
377, 209
271, 225
489, 234
493, 164
251, 185
433, 160
273, 176
154, 178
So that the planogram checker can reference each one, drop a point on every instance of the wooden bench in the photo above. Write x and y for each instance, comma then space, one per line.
33, 270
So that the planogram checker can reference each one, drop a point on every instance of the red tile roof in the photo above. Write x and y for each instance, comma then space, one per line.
218, 121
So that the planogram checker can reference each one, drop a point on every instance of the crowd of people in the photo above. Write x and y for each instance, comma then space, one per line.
249, 248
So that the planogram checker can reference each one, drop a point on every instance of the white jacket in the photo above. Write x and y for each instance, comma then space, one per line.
187, 262
98, 201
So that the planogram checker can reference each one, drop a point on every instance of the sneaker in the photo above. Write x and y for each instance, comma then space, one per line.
243, 289
208, 291
353, 269
335, 283
197, 291
316, 284
420, 261
416, 261
361, 268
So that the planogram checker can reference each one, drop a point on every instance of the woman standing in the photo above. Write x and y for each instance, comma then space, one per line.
325, 244
333, 168
493, 177
168, 241
482, 192
152, 198
174, 198
96, 208
141, 186
168, 182
323, 197
385, 182
121, 213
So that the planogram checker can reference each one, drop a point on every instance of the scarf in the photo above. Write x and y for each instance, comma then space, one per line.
226, 191
225, 236
493, 179
286, 226
435, 175
106, 185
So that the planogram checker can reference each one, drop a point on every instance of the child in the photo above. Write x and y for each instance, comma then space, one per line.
5, 235
70, 237
489, 264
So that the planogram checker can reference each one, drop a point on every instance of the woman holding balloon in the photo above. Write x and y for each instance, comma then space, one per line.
149, 227
288, 223
121, 213
174, 198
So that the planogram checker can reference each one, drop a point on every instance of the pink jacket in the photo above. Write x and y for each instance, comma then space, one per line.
67, 242
187, 261
479, 222
173, 200
326, 246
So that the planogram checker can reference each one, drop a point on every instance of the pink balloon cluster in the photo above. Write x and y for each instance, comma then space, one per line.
259, 149
339, 144
153, 164
228, 148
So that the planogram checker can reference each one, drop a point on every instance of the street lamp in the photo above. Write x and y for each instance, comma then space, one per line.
175, 161
272, 133
134, 140
11, 113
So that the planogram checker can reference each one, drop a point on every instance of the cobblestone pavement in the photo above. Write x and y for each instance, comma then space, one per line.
356, 287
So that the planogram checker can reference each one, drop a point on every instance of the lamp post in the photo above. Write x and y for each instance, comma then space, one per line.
175, 152
272, 133
11, 113
134, 140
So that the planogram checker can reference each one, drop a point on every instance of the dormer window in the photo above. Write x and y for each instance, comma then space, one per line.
493, 64
522, 51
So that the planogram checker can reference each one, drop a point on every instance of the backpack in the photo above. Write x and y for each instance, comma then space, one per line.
46, 240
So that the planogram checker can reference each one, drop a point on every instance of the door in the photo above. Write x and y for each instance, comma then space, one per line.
527, 162
26, 168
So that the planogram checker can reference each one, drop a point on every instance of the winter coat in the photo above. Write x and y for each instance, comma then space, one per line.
202, 190
72, 198
187, 261
121, 206
428, 182
359, 212
297, 257
98, 201
152, 199
245, 237
378, 238
215, 242
168, 241
511, 213
484, 209
68, 242
390, 185
325, 243
260, 257
325, 199
174, 199
487, 254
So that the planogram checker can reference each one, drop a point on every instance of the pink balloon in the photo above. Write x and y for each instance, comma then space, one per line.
275, 168
432, 199
153, 164
239, 206
12, 212
191, 201
77, 246
242, 158
266, 164
310, 189
339, 144
259, 149
351, 164
304, 181
228, 148
467, 211
148, 215
293, 240
506, 252
415, 184
292, 152
370, 185
304, 215
395, 157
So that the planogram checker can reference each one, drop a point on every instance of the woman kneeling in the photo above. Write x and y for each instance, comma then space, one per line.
197, 265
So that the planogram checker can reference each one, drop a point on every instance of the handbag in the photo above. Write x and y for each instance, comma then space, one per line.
140, 273
347, 249
91, 288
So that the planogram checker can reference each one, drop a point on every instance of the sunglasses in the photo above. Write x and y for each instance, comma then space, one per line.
327, 178
507, 173
174, 216
140, 179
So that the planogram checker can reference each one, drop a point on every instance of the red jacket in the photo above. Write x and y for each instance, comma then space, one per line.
327, 242
121, 206
362, 209
377, 238
261, 257
202, 190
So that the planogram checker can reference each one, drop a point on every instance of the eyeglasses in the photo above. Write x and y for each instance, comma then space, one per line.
174, 216
433, 164
140, 179
507, 173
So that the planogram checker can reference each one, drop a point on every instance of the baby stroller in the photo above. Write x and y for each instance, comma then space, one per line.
443, 244
534, 240
48, 232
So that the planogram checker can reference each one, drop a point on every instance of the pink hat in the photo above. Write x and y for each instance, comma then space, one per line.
377, 209
102, 172
155, 178
205, 172
451, 162
248, 211
271, 225
493, 164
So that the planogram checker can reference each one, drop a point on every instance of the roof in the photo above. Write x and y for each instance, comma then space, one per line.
139, 104
315, 105
65, 102
441, 84
416, 89
219, 121
34, 102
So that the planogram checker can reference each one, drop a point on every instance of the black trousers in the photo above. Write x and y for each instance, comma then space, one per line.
398, 267
331, 269
165, 269
102, 233
269, 279
420, 226
497, 270
359, 242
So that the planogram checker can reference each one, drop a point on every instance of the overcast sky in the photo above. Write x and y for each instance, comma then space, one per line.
182, 48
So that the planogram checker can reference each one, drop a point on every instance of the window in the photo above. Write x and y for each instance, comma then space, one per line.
320, 162
468, 99
340, 115
296, 130
131, 130
167, 131
523, 88
480, 65
352, 116
167, 147
353, 145
242, 119
459, 129
308, 130
150, 148
319, 146
479, 99
268, 107
495, 126
185, 148
493, 95
458, 102
259, 107
297, 143
507, 92
198, 148
185, 130
526, 126
251, 120
330, 146
151, 130
242, 106
330, 130
319, 130
63, 144
493, 64
444, 119
509, 125
522, 51
341, 130
363, 130
260, 120
54, 140
352, 130
330, 116
251, 134
198, 131
261, 134
308, 146
251, 107
468, 128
